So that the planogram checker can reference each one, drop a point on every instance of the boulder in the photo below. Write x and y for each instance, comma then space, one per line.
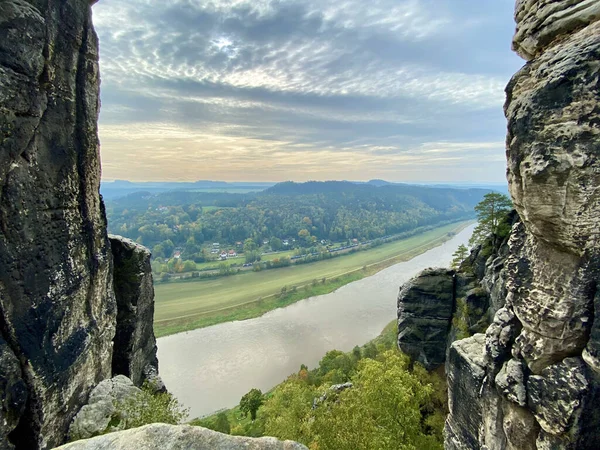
102, 408
160, 436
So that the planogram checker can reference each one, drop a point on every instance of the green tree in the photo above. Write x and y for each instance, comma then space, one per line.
381, 411
250, 403
250, 245
459, 256
491, 214
275, 244
288, 411
252, 256
189, 266
222, 424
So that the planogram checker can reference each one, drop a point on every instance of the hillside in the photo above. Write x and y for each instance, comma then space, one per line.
303, 213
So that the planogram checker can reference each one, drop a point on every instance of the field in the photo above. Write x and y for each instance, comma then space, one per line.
239, 260
184, 306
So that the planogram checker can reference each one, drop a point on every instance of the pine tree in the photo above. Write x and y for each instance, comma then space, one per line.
459, 256
491, 212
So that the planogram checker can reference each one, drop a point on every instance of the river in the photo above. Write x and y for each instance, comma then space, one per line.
211, 368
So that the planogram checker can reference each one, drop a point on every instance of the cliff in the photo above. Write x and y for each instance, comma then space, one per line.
76, 306
439, 306
531, 381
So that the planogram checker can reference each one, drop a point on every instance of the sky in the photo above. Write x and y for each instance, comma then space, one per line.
275, 90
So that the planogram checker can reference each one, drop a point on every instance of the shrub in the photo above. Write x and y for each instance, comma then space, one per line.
148, 407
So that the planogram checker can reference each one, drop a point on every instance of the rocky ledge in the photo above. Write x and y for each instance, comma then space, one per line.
160, 436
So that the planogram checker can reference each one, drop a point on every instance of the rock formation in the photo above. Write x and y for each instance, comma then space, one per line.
134, 353
533, 376
57, 307
160, 436
439, 306
104, 404
532, 381
75, 307
58, 313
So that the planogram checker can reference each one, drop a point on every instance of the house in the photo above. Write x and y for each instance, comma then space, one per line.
214, 251
231, 254
223, 255
177, 254
286, 242
215, 245
239, 244
265, 241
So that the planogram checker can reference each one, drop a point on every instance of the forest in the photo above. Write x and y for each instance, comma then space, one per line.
370, 398
192, 225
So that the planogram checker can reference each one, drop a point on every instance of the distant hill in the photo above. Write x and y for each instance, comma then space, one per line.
121, 188
303, 213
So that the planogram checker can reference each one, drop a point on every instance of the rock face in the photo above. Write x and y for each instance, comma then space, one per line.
425, 307
58, 313
439, 306
57, 306
540, 376
134, 354
160, 436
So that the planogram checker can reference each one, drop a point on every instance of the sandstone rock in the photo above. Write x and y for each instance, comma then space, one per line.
556, 396
511, 382
425, 307
134, 352
178, 437
13, 393
56, 295
332, 391
465, 370
94, 418
520, 428
542, 386
552, 144
540, 22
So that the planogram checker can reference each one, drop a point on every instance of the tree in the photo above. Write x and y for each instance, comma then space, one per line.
459, 256
287, 412
250, 403
491, 214
252, 256
222, 424
249, 245
381, 411
275, 244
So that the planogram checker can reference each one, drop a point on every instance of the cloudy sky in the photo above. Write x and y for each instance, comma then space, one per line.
272, 90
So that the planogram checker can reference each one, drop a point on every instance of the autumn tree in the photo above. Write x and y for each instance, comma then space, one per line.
491, 214
250, 402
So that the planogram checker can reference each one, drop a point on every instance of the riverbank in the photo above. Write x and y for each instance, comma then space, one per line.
202, 367
187, 306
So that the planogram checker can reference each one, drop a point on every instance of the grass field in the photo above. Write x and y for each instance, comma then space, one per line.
239, 260
187, 305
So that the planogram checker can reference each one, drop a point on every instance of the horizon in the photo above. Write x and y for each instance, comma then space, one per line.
310, 181
305, 90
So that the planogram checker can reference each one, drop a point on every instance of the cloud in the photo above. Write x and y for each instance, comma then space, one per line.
356, 88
